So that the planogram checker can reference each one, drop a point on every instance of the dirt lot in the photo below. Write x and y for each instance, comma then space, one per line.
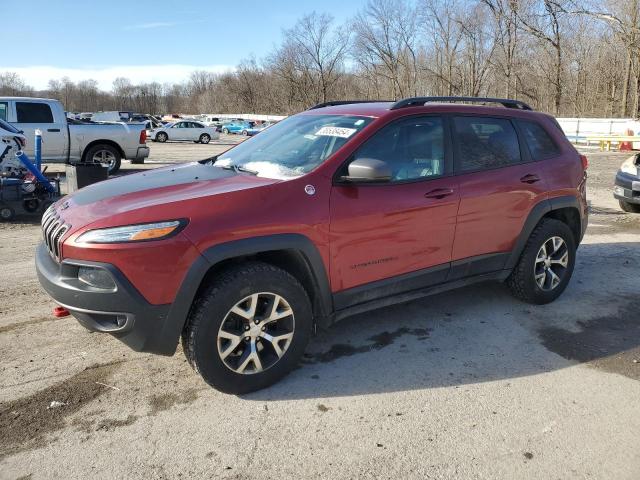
467, 384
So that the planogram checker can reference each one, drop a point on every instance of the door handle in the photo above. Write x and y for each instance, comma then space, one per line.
439, 193
53, 129
530, 178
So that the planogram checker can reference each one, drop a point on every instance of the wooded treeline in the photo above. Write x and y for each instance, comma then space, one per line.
566, 57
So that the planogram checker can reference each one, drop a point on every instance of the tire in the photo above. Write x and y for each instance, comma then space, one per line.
162, 137
629, 207
245, 133
225, 131
6, 213
205, 138
523, 281
104, 154
211, 315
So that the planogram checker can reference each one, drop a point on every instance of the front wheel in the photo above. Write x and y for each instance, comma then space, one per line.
205, 138
546, 263
248, 328
629, 207
225, 131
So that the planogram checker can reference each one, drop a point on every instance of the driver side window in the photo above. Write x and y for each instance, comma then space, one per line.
413, 148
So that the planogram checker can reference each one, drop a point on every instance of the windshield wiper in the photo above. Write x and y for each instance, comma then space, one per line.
239, 168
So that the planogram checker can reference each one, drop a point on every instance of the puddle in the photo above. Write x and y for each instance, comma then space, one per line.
611, 342
379, 341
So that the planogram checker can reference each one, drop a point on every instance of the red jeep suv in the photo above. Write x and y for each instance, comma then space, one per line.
343, 208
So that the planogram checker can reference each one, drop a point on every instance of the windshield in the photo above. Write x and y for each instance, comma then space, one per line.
294, 146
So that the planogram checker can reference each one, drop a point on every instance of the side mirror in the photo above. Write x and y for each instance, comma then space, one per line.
368, 170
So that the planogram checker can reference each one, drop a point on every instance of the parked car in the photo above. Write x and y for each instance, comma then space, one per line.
335, 211
256, 129
72, 141
112, 116
627, 185
236, 127
184, 130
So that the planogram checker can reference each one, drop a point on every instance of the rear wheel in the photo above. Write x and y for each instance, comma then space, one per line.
629, 207
162, 137
106, 155
546, 264
249, 328
205, 138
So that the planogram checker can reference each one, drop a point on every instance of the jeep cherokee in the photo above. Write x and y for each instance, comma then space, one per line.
340, 209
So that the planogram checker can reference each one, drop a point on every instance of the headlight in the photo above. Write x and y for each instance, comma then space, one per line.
629, 166
132, 233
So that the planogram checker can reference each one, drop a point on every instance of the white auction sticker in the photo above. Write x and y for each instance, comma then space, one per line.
336, 132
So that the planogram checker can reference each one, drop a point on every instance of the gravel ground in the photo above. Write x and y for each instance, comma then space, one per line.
467, 384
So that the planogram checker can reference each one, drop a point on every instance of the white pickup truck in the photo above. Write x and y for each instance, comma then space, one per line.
72, 141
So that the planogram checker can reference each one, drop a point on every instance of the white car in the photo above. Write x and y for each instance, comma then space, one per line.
184, 130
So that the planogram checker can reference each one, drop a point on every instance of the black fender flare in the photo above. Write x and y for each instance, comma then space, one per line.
192, 281
535, 215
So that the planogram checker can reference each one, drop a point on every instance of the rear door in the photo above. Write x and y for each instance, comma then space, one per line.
404, 226
30, 116
499, 184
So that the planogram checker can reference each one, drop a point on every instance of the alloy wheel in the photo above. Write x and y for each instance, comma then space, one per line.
551, 263
256, 333
105, 157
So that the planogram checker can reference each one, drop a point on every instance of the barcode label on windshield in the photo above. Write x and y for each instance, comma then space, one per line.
336, 132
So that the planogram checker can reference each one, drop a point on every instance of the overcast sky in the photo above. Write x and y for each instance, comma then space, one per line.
144, 40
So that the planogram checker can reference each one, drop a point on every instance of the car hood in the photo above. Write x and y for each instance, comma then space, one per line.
163, 193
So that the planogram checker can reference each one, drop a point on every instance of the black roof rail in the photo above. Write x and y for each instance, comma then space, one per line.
415, 101
345, 102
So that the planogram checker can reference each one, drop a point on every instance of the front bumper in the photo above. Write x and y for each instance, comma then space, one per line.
123, 312
627, 187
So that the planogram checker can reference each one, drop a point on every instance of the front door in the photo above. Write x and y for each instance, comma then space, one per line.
402, 227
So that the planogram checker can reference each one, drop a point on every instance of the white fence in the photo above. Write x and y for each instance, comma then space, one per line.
578, 129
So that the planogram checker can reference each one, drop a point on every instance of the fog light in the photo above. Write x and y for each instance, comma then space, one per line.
96, 278
618, 190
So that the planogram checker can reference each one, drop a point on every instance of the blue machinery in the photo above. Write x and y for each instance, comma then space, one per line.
18, 195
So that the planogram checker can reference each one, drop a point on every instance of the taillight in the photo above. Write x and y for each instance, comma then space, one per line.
143, 136
585, 162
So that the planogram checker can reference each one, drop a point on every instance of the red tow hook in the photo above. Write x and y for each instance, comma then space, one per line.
60, 312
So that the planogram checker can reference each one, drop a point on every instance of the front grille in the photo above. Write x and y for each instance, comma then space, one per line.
53, 229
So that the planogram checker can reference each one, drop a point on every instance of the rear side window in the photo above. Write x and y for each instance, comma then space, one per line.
540, 144
485, 143
3, 110
33, 112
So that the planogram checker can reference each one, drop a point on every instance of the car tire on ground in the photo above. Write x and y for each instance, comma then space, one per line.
546, 263
225, 131
244, 133
6, 213
205, 138
105, 155
162, 137
248, 328
629, 207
